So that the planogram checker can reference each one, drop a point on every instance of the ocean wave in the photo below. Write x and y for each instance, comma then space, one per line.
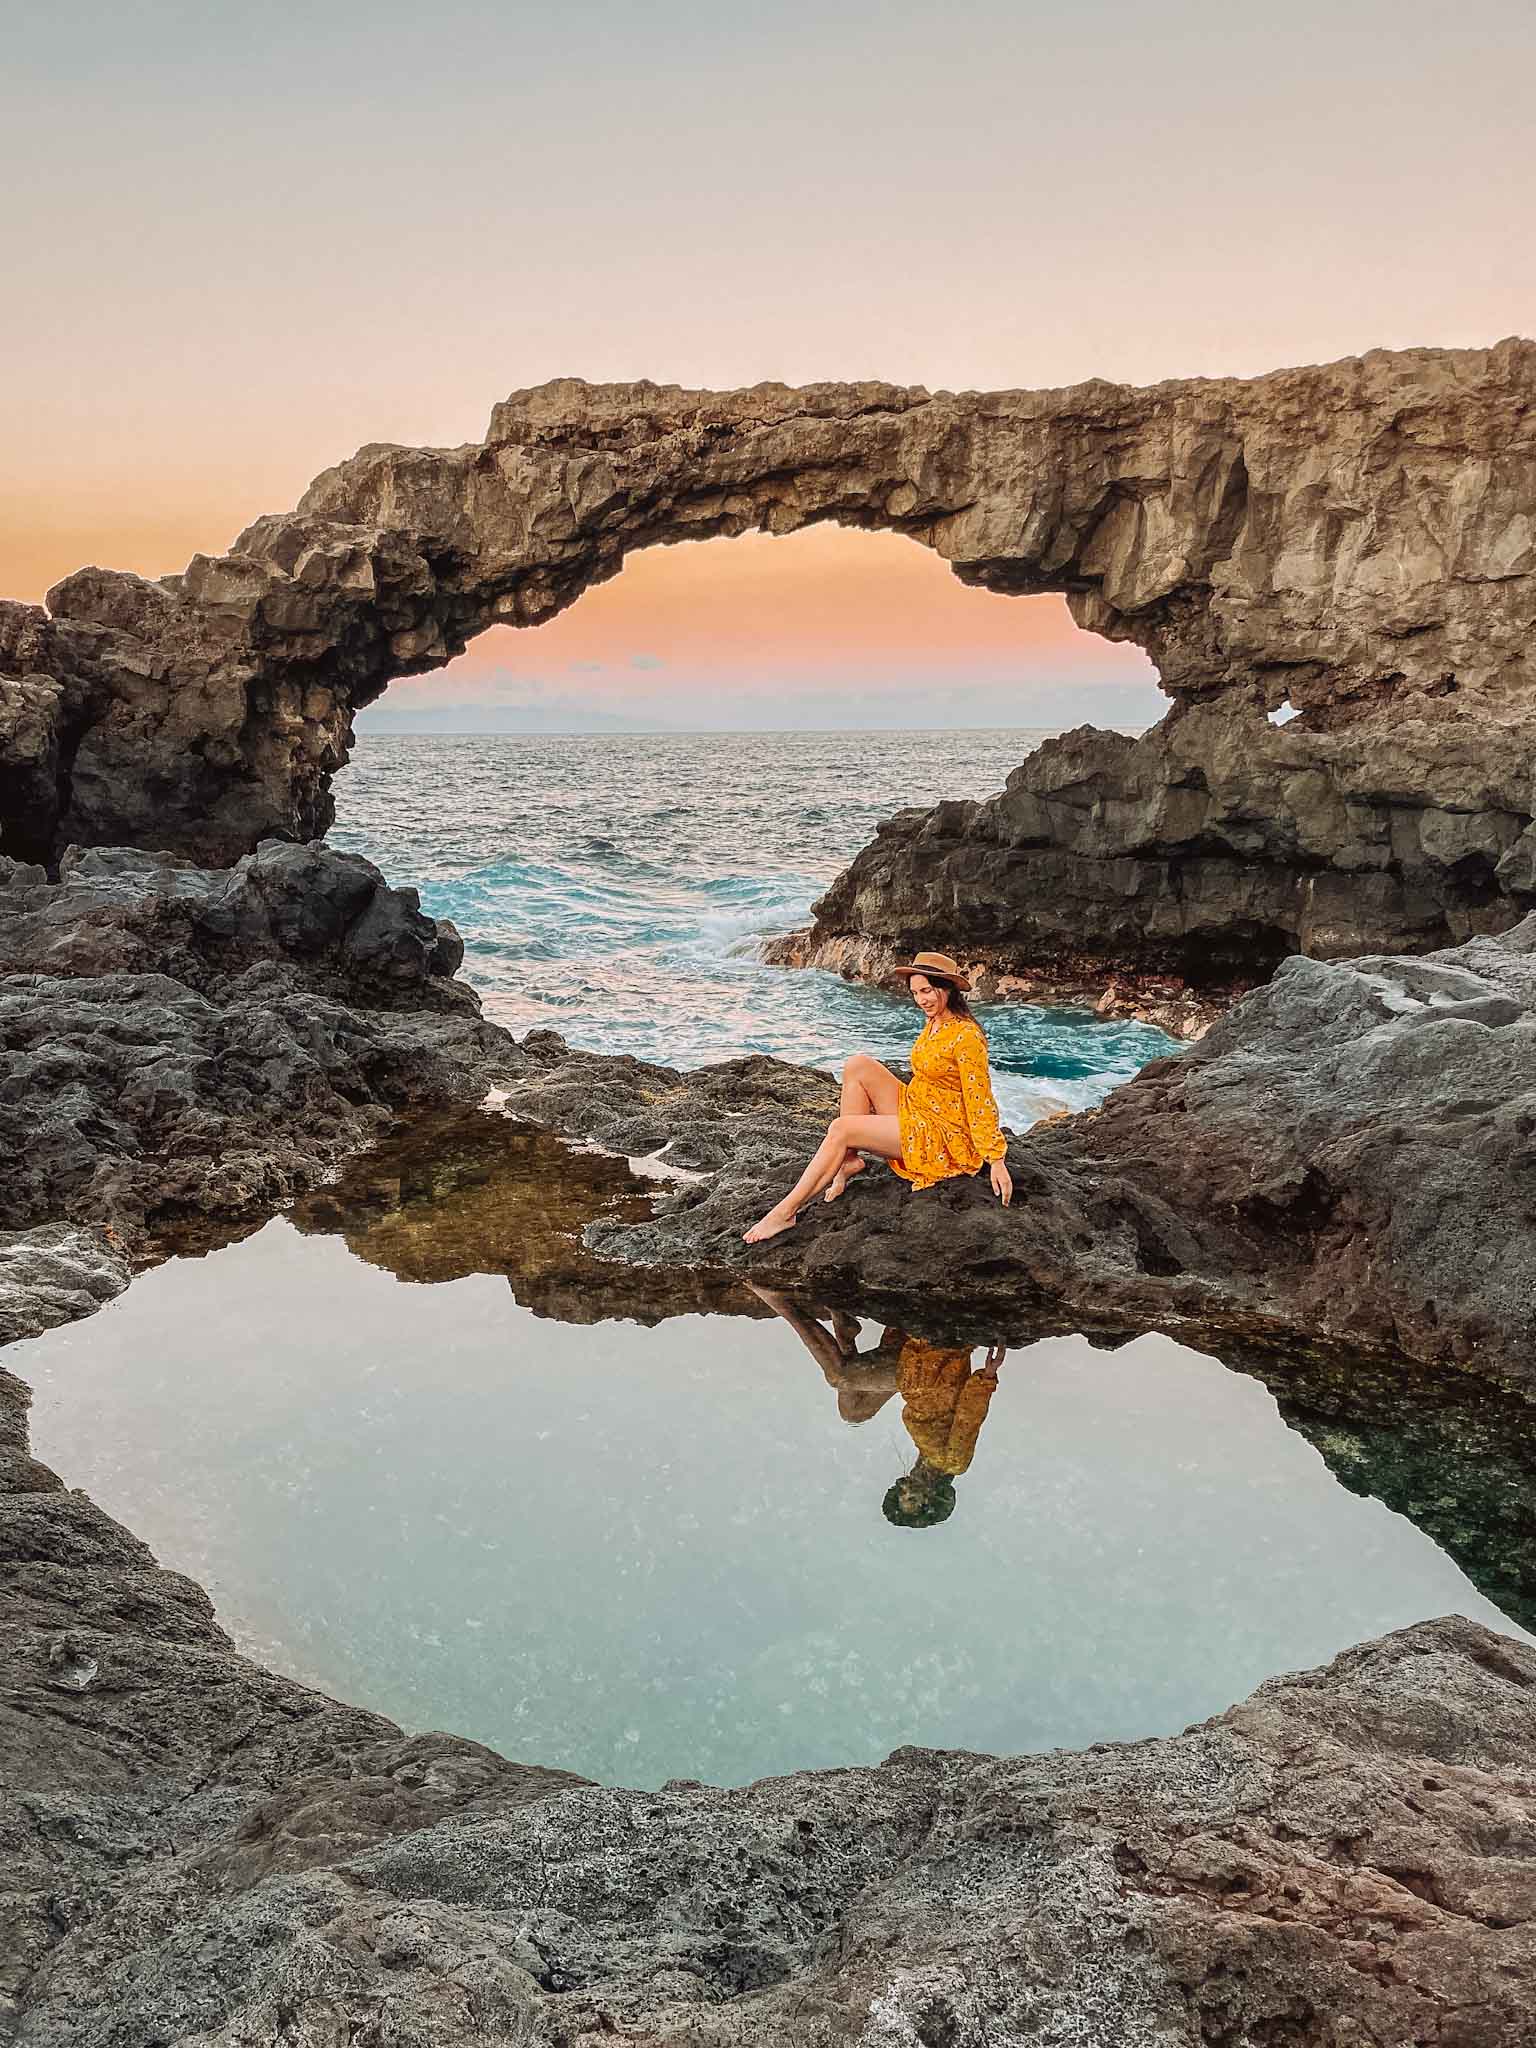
591, 897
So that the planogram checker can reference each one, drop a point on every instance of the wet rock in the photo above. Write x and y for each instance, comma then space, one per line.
1353, 537
55, 1274
199, 1850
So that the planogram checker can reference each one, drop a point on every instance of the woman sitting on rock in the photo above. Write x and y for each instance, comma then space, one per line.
943, 1122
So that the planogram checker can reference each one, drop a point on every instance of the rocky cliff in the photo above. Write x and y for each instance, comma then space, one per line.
1208, 849
1358, 538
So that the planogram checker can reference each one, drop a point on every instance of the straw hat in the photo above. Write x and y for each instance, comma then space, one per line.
938, 966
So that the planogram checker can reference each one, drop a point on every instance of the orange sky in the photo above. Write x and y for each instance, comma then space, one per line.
815, 601
240, 242
811, 617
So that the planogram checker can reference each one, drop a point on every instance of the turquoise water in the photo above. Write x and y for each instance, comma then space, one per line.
646, 1553
615, 888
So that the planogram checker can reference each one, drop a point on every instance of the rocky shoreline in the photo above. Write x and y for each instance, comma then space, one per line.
1090, 981
1333, 1186
1346, 1157
198, 1850
1350, 540
1159, 877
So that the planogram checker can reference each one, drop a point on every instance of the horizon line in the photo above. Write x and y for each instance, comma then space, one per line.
684, 732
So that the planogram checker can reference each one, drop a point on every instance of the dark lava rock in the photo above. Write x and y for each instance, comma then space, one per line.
1349, 1156
175, 1041
195, 1850
1209, 848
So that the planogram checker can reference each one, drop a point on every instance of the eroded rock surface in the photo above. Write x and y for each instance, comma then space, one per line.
1358, 537
198, 1851
1210, 848
176, 1042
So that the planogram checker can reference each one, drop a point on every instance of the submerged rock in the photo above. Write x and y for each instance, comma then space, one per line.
456, 1193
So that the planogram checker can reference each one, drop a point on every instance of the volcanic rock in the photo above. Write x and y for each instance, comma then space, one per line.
1356, 538
1348, 1157
197, 1850
1208, 849
178, 1042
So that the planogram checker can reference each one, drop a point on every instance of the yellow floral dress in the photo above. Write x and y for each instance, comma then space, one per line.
944, 1403
947, 1113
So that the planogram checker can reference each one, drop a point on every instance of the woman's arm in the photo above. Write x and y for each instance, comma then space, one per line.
981, 1109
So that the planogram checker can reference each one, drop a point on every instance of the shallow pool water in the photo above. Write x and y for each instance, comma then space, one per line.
647, 1552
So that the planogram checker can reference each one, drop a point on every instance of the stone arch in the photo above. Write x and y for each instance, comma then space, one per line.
1345, 537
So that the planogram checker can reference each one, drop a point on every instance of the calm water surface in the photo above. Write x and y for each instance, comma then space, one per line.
654, 1552
616, 888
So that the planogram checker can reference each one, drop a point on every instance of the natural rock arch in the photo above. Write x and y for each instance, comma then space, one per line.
1345, 537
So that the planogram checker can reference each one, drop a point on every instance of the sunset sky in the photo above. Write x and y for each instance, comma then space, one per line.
242, 241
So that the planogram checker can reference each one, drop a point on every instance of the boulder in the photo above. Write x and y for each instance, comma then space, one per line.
181, 1042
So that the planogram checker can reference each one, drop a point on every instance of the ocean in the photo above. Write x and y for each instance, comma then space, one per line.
617, 889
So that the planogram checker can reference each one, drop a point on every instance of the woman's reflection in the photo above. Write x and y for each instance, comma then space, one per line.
944, 1402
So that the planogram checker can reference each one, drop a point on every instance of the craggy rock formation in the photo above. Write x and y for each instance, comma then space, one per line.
1358, 537
175, 1042
1348, 1157
1209, 848
197, 1850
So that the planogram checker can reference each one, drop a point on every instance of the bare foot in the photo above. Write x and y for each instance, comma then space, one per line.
841, 1178
777, 1219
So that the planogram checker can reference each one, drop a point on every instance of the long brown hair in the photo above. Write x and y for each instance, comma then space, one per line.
957, 1006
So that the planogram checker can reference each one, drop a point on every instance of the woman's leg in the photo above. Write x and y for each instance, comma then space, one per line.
845, 1134
868, 1090
813, 1334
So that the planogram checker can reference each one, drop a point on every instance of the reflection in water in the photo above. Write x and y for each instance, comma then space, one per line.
944, 1401
463, 1193
644, 1552
476, 1193
1455, 1455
